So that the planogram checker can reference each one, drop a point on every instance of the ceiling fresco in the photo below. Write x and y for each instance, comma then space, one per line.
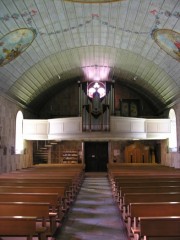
46, 44
14, 43
169, 41
94, 1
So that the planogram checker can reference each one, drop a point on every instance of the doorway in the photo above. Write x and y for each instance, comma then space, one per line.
96, 156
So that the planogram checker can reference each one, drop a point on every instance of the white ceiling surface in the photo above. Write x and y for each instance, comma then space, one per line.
71, 36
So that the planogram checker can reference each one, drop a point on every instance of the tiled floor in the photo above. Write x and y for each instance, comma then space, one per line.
94, 214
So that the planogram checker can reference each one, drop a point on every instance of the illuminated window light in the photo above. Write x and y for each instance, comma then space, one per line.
19, 144
96, 73
173, 135
96, 87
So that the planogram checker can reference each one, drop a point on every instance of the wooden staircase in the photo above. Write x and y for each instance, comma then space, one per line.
41, 151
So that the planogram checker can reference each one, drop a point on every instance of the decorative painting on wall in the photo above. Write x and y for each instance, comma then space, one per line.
125, 109
14, 43
169, 41
129, 107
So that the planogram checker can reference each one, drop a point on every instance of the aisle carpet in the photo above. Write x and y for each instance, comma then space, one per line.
94, 214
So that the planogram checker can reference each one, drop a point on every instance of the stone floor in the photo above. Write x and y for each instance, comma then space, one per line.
94, 214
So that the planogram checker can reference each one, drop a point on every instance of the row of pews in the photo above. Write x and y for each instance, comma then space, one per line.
148, 196
35, 201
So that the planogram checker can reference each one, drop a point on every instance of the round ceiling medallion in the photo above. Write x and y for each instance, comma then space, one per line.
93, 1
169, 41
14, 43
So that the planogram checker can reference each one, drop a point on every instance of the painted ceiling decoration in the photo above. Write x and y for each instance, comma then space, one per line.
14, 43
93, 1
134, 42
169, 41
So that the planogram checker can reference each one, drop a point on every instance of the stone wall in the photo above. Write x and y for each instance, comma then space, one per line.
9, 161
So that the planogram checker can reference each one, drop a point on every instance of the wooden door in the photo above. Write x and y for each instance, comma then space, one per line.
137, 153
96, 156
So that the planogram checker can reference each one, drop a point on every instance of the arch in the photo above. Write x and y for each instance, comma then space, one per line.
19, 144
173, 135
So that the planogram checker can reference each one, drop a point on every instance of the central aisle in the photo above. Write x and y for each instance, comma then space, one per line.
94, 214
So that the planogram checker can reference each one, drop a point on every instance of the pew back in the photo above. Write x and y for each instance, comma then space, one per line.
150, 209
160, 226
17, 225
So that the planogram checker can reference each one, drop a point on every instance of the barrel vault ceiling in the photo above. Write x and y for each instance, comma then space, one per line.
46, 44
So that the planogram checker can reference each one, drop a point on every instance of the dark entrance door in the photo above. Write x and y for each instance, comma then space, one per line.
96, 156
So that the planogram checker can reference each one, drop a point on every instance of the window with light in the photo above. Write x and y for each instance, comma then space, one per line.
19, 144
173, 134
96, 87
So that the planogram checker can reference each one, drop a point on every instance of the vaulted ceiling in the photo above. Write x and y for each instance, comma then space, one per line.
46, 44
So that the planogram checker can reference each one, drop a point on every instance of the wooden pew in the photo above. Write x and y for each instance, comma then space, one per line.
158, 228
51, 198
70, 189
39, 210
148, 175
72, 185
155, 209
49, 177
31, 181
141, 183
18, 226
144, 174
120, 180
129, 198
56, 171
130, 182
142, 179
150, 189
64, 199
146, 179
73, 172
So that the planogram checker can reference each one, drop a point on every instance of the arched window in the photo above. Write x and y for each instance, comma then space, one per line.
173, 135
19, 144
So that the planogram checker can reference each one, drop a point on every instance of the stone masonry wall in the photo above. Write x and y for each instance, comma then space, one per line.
9, 161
